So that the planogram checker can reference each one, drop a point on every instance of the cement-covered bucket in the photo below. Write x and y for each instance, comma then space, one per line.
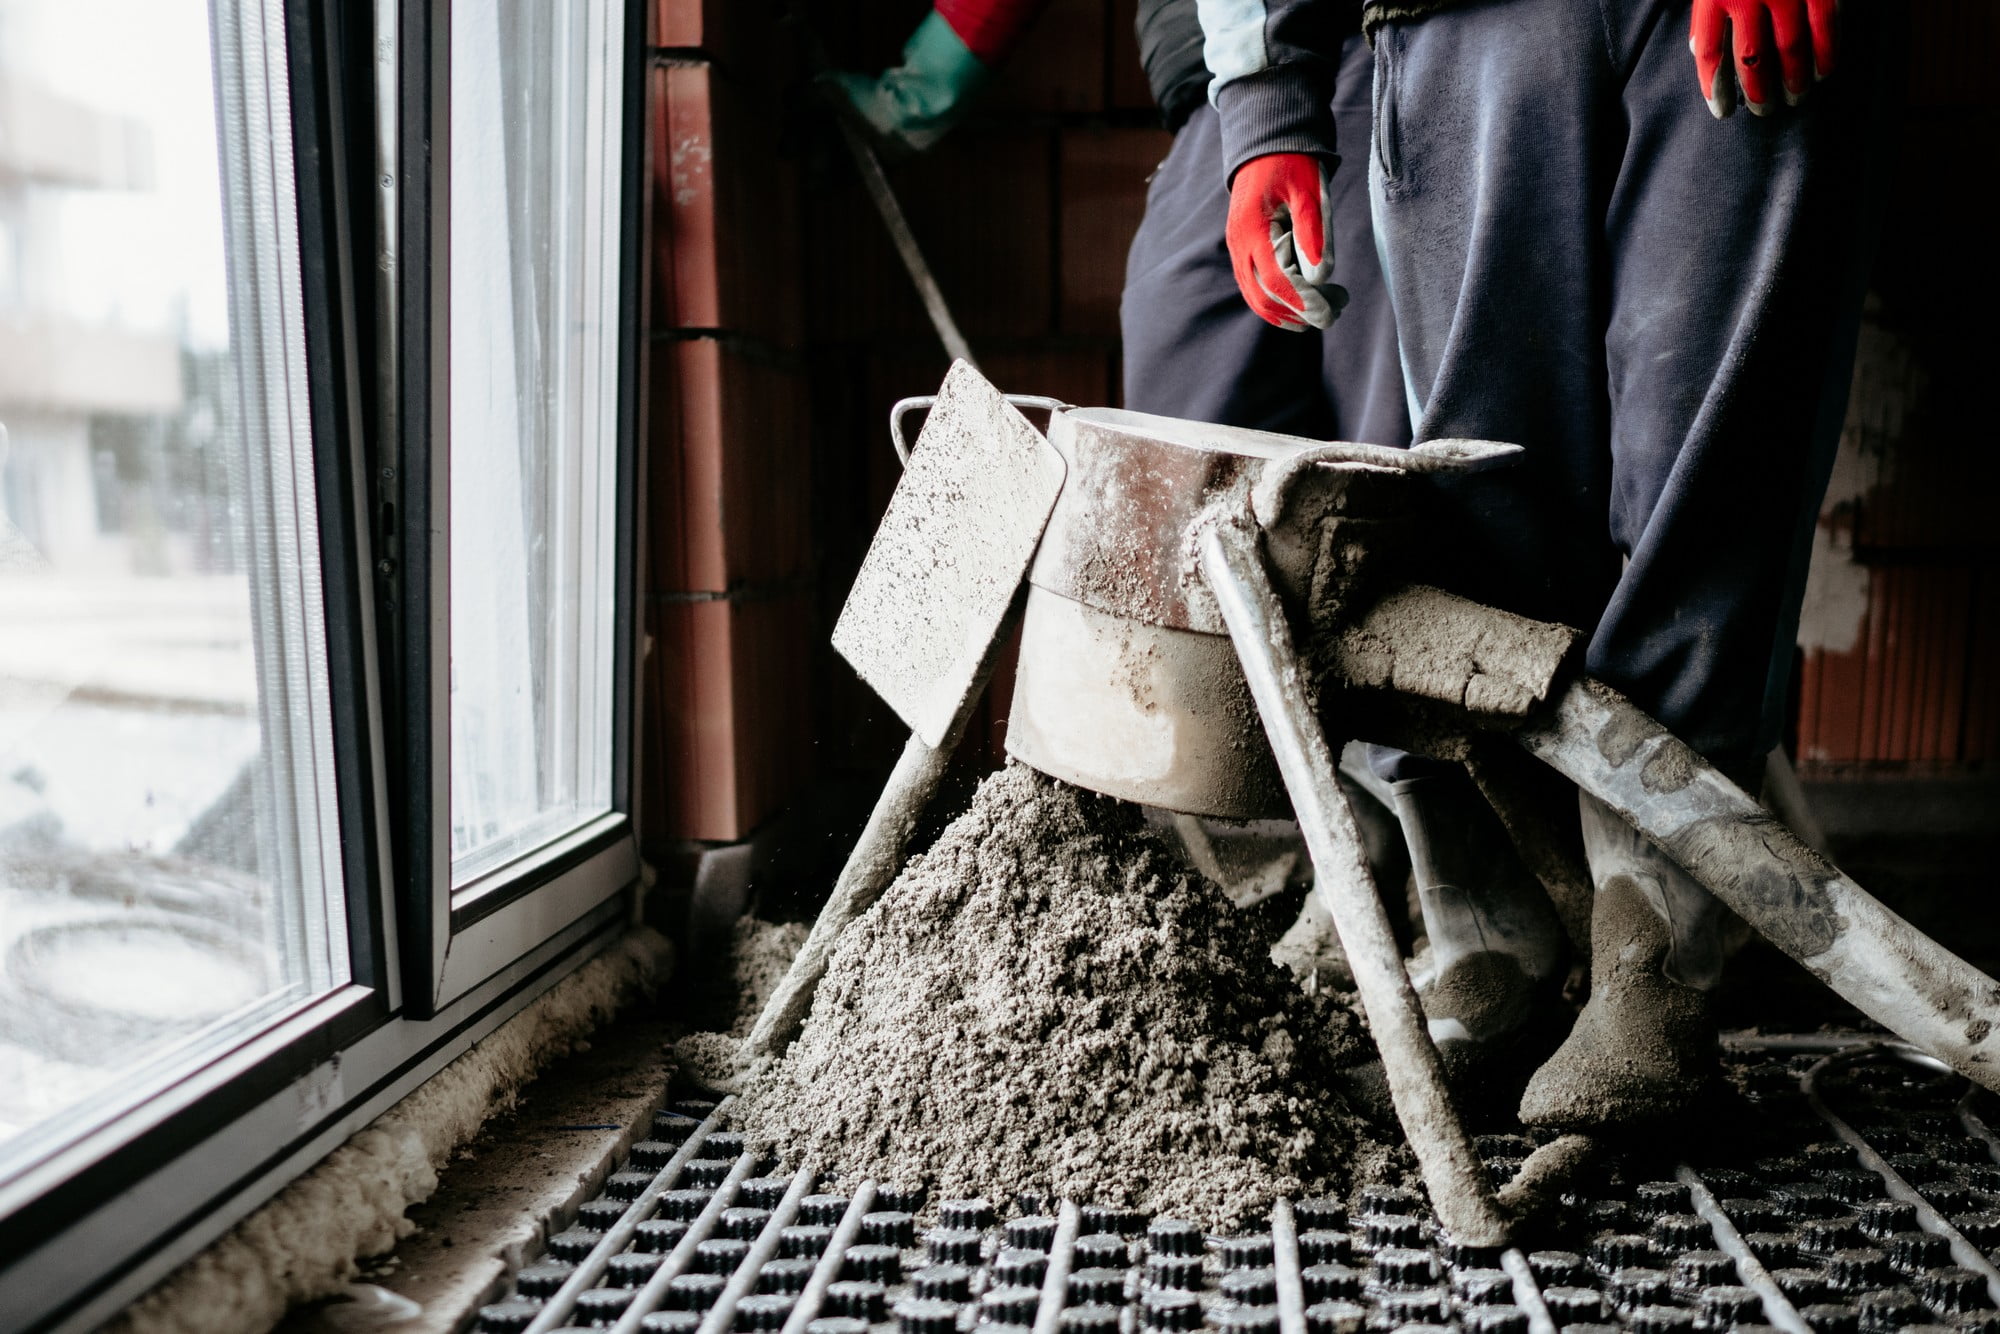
1128, 684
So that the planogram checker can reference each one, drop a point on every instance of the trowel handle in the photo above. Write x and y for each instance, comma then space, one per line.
870, 869
905, 406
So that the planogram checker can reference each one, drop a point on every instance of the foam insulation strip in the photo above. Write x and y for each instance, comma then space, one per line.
304, 1243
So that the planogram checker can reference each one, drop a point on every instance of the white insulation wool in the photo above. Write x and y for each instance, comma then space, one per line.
304, 1243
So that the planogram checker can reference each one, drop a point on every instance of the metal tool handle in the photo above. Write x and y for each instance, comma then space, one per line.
905, 406
1793, 897
876, 859
1234, 568
1433, 456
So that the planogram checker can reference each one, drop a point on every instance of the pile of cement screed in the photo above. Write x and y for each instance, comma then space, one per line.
1048, 1001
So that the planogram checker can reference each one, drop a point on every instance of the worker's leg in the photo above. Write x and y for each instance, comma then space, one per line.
1660, 306
1360, 370
1497, 952
1717, 472
1730, 344
1193, 349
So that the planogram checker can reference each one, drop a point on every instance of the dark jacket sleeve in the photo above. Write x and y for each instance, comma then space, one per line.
1273, 64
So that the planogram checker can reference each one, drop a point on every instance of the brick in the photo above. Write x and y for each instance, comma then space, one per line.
1102, 182
981, 209
650, 785
730, 473
659, 246
1908, 693
1059, 66
734, 718
773, 644
667, 536
726, 210
1078, 375
737, 33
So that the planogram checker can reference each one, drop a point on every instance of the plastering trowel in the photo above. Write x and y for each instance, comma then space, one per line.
926, 617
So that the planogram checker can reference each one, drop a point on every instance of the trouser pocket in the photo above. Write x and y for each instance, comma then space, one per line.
1388, 152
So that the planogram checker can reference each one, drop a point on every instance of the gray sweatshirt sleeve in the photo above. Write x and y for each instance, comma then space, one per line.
1272, 65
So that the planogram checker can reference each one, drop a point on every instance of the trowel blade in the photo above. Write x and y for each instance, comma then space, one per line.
952, 551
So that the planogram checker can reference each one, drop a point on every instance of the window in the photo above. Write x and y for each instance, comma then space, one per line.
514, 482
170, 874
316, 586
534, 402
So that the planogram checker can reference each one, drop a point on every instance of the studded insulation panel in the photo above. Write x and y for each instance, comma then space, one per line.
1855, 1191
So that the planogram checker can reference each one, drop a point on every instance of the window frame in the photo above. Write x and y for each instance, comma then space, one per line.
450, 946
97, 1221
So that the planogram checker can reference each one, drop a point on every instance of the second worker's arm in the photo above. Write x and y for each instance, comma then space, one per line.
1274, 64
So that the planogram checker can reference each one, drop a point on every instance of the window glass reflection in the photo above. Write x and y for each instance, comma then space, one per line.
168, 866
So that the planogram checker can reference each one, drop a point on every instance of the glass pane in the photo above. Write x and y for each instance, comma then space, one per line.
169, 874
534, 329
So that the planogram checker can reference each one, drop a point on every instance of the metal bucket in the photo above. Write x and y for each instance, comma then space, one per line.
1128, 683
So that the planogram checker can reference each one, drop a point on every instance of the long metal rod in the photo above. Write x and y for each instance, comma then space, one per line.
884, 198
1527, 1292
722, 1315
1463, 1200
1779, 1312
1055, 1279
1285, 1260
1963, 1252
654, 1290
619, 1235
1793, 897
828, 1268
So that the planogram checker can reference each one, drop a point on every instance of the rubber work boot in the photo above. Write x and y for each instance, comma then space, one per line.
1491, 991
1644, 1046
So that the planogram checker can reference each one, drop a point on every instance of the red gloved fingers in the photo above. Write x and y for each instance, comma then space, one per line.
1793, 34
1756, 56
1255, 283
1708, 38
1823, 16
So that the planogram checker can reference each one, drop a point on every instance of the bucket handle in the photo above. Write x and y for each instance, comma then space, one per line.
905, 406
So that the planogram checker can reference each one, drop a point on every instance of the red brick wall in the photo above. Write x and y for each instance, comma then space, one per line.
730, 560
782, 327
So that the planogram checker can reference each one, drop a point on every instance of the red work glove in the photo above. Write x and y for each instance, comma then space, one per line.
1280, 234
1778, 45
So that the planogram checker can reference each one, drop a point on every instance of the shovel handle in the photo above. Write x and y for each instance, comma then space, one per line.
1234, 569
905, 406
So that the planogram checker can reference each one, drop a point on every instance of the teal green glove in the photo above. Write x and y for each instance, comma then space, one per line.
915, 104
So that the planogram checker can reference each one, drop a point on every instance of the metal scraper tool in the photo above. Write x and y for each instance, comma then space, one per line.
923, 625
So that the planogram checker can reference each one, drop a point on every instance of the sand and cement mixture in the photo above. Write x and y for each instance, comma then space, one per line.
1047, 1000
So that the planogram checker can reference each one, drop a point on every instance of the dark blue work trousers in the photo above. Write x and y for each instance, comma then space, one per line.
1192, 348
1660, 306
